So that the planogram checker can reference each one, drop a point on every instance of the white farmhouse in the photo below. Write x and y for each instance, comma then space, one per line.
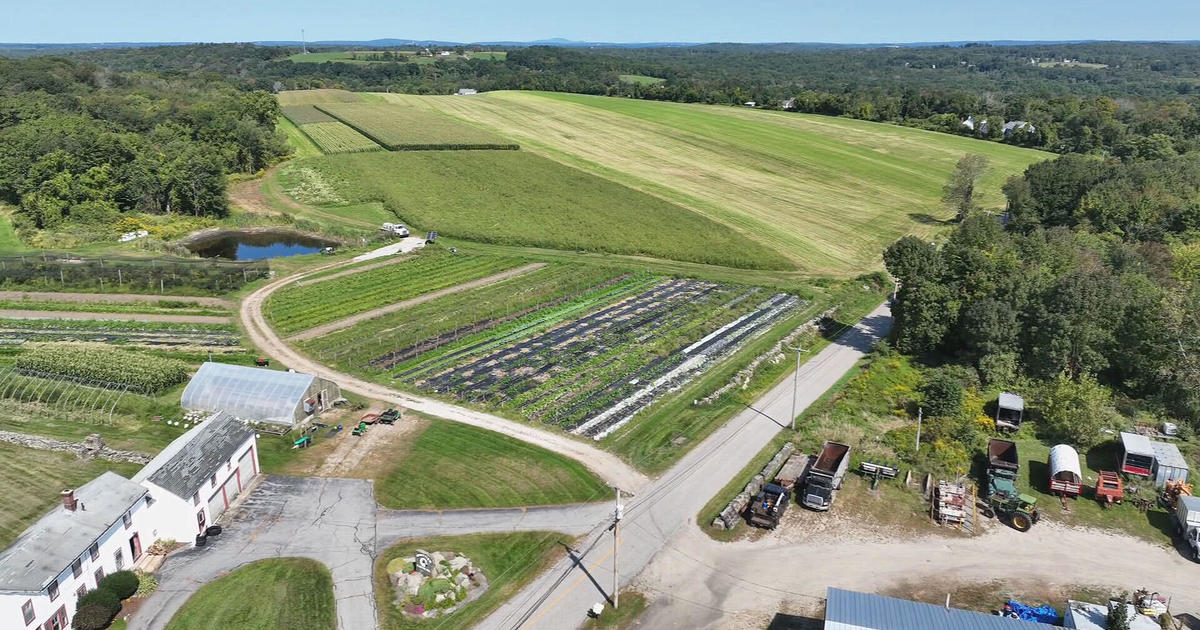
195, 478
98, 529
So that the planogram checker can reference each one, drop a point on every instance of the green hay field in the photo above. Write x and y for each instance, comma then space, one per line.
518, 198
402, 128
290, 98
640, 79
827, 193
306, 114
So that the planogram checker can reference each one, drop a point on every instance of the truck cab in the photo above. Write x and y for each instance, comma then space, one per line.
818, 492
394, 229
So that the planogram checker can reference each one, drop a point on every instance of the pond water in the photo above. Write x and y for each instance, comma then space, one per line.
235, 245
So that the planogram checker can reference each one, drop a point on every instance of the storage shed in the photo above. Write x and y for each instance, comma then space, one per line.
258, 394
1066, 476
851, 610
1136, 456
1169, 464
1010, 411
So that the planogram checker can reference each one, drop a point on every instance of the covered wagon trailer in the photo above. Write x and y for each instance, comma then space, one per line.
1066, 476
1136, 456
1169, 464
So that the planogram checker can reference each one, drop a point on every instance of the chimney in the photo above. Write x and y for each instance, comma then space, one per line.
68, 499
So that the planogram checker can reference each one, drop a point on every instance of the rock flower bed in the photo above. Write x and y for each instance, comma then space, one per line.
453, 582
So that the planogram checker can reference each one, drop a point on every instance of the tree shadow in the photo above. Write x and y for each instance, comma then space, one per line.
1102, 457
794, 622
928, 219
1039, 476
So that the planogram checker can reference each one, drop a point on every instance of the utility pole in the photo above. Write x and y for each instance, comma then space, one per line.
795, 381
303, 43
620, 511
920, 413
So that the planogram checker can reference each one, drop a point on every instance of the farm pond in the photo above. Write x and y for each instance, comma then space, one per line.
255, 245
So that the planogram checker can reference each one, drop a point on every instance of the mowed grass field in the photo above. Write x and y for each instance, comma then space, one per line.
32, 479
403, 128
519, 198
827, 193
289, 98
275, 594
452, 465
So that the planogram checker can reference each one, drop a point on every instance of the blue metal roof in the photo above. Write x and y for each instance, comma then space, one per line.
851, 610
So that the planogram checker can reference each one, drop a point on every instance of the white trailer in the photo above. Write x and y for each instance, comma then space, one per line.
1187, 523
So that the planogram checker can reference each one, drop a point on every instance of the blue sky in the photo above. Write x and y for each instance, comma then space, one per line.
604, 20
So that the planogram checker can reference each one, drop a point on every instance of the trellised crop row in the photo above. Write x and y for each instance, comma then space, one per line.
139, 372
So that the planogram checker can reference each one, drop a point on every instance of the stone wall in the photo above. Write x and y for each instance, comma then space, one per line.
91, 447
728, 518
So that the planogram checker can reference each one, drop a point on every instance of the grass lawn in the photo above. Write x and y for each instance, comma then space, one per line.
276, 594
289, 98
9, 243
641, 79
518, 198
30, 481
509, 561
399, 127
828, 193
633, 604
445, 465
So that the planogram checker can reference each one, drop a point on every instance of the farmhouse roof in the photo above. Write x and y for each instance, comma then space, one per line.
193, 457
1136, 444
51, 544
850, 610
1011, 401
256, 394
1088, 616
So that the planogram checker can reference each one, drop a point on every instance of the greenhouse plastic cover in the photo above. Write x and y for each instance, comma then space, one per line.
254, 394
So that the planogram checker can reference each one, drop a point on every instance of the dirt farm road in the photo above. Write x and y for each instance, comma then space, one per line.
607, 466
347, 322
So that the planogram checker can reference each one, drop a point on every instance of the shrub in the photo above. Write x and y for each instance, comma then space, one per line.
147, 584
942, 394
123, 584
92, 617
103, 598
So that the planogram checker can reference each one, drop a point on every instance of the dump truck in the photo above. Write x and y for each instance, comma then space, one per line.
1187, 523
1003, 499
825, 476
769, 506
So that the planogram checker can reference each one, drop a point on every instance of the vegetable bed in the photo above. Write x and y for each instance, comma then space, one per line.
104, 366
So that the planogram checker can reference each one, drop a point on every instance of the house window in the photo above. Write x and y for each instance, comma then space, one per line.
196, 498
127, 519
77, 567
213, 480
27, 611
149, 500
81, 591
52, 590
94, 551
119, 559
99, 575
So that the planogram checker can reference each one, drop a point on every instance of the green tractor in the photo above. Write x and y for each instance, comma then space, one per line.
1019, 510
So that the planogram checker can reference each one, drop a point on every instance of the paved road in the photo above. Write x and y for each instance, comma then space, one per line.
560, 597
607, 466
335, 522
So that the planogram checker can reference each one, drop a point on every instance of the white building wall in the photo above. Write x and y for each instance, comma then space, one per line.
115, 539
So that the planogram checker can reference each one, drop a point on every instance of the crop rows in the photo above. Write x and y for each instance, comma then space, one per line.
403, 128
422, 332
104, 365
334, 137
121, 331
77, 397
306, 114
298, 308
597, 371
46, 272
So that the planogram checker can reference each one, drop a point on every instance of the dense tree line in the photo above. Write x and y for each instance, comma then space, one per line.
1094, 281
1107, 98
80, 145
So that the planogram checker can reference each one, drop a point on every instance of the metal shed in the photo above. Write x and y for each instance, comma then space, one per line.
1010, 411
1169, 464
258, 394
1066, 476
1136, 456
851, 610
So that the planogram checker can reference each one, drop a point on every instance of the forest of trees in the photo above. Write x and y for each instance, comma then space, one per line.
1092, 286
80, 145
1112, 101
